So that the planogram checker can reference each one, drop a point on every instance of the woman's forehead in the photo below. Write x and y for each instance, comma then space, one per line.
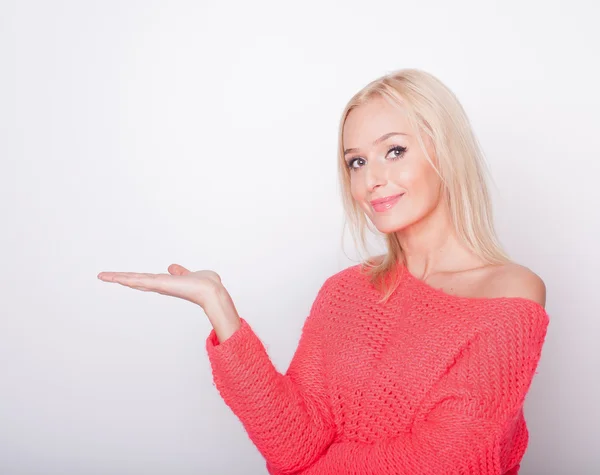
373, 119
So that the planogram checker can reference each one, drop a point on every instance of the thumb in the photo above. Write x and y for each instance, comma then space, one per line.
176, 269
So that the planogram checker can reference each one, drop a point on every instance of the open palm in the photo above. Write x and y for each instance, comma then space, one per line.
179, 282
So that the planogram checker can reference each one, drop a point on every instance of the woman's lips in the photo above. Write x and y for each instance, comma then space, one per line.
388, 203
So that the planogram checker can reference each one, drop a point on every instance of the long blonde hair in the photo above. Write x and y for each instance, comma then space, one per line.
434, 110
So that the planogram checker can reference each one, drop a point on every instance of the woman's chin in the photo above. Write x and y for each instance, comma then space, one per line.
388, 226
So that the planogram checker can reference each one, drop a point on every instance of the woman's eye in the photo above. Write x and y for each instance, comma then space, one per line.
352, 164
397, 151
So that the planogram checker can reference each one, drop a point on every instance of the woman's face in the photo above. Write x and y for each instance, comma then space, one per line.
386, 161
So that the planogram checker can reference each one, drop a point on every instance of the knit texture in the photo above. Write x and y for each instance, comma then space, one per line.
427, 383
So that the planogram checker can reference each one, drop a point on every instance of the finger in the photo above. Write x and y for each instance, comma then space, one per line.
164, 284
176, 269
114, 276
131, 279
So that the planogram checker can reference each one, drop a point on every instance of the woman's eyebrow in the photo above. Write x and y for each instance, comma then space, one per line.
379, 140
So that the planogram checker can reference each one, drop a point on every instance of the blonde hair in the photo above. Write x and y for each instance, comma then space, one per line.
434, 110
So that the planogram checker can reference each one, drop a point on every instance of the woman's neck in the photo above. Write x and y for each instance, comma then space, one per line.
431, 246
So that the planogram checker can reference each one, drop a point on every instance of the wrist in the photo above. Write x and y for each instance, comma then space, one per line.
221, 312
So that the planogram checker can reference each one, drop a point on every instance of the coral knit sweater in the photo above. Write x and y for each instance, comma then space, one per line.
427, 383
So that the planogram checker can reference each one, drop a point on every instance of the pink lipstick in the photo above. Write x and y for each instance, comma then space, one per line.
384, 204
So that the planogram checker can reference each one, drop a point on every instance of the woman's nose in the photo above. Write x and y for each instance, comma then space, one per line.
375, 175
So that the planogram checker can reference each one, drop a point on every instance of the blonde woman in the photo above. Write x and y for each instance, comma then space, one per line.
414, 362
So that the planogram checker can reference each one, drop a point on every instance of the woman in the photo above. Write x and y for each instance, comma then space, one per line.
415, 362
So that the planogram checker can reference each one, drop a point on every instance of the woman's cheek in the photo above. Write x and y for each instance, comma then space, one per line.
357, 191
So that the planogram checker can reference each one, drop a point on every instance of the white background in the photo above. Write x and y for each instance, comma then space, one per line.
134, 134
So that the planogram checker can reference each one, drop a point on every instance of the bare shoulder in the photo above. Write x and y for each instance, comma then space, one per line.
514, 280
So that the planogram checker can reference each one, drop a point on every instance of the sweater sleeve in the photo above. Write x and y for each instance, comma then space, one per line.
462, 423
286, 416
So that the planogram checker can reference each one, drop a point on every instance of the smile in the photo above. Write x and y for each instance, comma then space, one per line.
384, 205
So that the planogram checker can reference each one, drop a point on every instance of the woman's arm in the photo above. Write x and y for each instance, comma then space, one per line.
286, 416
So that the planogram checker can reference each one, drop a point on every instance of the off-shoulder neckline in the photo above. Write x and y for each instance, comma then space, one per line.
465, 299
406, 277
